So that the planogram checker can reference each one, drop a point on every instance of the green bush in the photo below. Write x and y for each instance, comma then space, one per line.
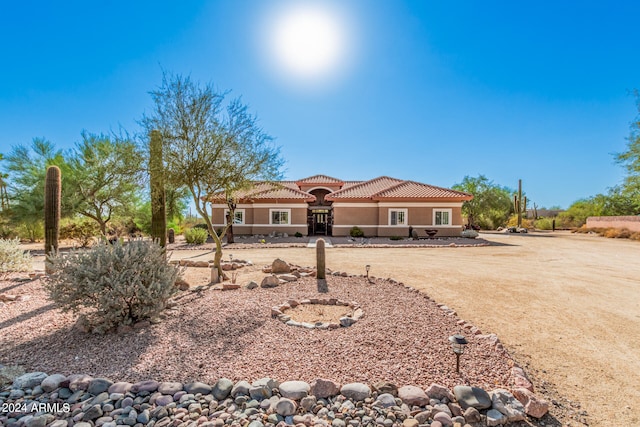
12, 257
196, 235
82, 231
298, 234
396, 238
112, 285
356, 232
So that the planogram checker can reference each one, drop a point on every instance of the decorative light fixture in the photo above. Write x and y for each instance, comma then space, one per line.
367, 268
231, 258
457, 344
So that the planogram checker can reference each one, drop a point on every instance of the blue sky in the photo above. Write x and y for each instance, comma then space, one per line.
426, 91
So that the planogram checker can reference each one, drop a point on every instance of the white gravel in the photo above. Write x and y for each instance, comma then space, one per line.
403, 338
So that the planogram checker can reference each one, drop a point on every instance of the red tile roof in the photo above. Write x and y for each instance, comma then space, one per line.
412, 189
320, 179
364, 190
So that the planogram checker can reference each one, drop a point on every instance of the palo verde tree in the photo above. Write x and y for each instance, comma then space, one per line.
630, 159
491, 205
26, 167
211, 146
105, 177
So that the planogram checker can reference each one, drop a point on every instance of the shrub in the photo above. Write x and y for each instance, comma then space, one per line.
513, 222
12, 258
543, 223
298, 234
356, 232
82, 232
396, 238
112, 285
196, 235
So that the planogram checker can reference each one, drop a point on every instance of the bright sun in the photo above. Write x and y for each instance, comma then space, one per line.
308, 41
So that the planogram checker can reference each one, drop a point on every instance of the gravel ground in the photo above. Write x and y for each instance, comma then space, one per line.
214, 334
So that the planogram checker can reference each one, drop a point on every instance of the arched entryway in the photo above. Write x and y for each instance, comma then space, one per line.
320, 213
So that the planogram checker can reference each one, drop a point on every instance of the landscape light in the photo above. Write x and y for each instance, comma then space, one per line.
367, 268
457, 344
231, 258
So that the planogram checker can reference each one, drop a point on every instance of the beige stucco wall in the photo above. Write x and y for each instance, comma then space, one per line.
629, 222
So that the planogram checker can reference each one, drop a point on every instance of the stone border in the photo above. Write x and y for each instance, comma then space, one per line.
346, 321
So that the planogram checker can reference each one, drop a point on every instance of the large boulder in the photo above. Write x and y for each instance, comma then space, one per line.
52, 382
279, 266
270, 282
222, 388
29, 380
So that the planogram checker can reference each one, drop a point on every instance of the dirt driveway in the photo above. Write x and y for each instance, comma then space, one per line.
568, 306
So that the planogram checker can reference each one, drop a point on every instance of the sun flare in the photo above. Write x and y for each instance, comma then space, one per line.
308, 41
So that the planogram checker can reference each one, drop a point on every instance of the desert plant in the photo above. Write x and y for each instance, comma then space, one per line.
396, 238
52, 192
196, 235
321, 261
82, 231
112, 285
12, 257
356, 232
158, 198
298, 234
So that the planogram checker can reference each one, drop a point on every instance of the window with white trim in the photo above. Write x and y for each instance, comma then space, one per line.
397, 216
442, 217
238, 216
280, 216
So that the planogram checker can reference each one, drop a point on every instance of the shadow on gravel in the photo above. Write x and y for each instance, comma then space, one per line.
26, 316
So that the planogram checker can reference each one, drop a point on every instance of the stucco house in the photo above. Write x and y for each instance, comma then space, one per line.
320, 204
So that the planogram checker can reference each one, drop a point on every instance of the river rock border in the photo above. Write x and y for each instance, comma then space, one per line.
37, 399
346, 321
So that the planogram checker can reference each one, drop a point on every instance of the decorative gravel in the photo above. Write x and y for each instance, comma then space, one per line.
403, 338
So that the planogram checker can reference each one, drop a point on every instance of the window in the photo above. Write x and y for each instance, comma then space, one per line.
280, 216
442, 217
238, 215
398, 217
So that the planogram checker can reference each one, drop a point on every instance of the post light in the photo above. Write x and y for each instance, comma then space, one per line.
367, 268
457, 344
230, 258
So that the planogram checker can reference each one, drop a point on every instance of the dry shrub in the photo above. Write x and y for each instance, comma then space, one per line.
12, 257
112, 285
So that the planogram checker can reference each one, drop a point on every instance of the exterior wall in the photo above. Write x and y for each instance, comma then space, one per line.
349, 215
257, 219
629, 222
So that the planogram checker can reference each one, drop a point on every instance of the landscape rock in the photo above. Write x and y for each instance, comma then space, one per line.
322, 388
443, 418
149, 386
241, 388
251, 285
508, 405
29, 380
288, 277
356, 391
79, 382
412, 395
99, 385
472, 397
197, 387
437, 391
120, 387
533, 406
495, 418
170, 387
385, 400
270, 282
472, 415
52, 382
222, 388
386, 387
279, 266
294, 390
286, 407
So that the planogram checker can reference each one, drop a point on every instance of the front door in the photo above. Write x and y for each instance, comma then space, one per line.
320, 221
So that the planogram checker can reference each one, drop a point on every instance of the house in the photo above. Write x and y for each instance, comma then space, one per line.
320, 204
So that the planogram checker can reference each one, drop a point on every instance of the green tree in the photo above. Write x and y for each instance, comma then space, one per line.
105, 175
211, 146
631, 158
26, 168
491, 204
576, 215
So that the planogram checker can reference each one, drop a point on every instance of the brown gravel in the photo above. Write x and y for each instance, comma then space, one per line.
213, 334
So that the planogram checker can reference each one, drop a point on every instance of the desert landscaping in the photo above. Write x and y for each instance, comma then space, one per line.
565, 307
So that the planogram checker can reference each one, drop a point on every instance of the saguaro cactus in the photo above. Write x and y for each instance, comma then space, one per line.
52, 191
519, 204
320, 260
156, 175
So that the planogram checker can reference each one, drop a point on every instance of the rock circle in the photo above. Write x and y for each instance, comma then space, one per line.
279, 312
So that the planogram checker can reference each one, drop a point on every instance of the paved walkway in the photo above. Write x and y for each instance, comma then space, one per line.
313, 240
